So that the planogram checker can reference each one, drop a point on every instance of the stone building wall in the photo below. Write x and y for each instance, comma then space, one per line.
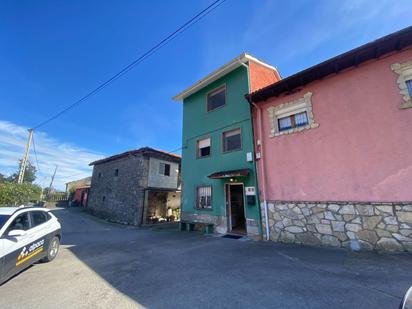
119, 198
220, 223
354, 225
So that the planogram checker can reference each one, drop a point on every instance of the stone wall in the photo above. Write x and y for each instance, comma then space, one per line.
119, 198
220, 223
354, 225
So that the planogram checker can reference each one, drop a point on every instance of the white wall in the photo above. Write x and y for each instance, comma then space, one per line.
156, 180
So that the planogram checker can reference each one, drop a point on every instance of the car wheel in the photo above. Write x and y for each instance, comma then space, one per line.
53, 249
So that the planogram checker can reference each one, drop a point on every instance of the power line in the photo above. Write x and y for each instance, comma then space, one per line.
144, 56
35, 154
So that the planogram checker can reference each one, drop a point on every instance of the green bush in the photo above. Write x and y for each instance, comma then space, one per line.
16, 194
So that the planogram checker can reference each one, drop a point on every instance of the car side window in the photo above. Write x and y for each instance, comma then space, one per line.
20, 223
38, 217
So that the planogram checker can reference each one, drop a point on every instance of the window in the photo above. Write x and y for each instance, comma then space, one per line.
203, 148
20, 223
3, 219
38, 217
204, 197
232, 140
216, 98
409, 86
293, 121
104, 198
292, 116
164, 169
99, 175
404, 80
116, 172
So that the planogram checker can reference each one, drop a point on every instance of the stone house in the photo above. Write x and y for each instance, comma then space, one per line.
218, 170
73, 185
334, 149
136, 187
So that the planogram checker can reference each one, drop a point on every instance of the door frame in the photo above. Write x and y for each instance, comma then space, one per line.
229, 207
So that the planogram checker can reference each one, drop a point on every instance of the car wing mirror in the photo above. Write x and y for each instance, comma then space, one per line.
16, 233
407, 300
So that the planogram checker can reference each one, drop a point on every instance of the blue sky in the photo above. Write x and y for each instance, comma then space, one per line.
54, 52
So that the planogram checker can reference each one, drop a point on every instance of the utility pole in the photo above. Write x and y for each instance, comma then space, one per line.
52, 179
24, 160
48, 196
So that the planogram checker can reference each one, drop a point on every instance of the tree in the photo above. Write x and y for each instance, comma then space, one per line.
29, 174
2, 178
12, 193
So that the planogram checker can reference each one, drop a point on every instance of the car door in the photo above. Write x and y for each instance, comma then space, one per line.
15, 248
43, 231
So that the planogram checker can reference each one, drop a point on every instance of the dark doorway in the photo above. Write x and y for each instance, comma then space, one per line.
236, 210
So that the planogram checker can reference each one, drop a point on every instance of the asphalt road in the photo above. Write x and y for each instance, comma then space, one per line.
103, 265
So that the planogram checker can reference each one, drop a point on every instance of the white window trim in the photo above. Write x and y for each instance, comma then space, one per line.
300, 105
404, 70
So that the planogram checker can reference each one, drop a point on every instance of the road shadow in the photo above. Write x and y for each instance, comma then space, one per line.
167, 268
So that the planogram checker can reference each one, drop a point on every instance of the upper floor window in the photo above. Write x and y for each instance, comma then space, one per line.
99, 175
164, 169
404, 71
216, 98
203, 148
409, 86
204, 197
116, 172
232, 140
293, 121
292, 116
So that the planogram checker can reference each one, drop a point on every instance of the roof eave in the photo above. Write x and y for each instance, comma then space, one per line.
215, 75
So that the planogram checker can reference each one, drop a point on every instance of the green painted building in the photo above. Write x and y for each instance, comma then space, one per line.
218, 169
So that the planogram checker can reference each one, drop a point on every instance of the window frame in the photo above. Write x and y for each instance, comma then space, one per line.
163, 173
32, 218
197, 148
295, 107
216, 90
293, 121
223, 140
7, 230
404, 72
197, 197
409, 88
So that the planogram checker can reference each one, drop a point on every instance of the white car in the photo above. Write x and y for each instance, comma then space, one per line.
27, 235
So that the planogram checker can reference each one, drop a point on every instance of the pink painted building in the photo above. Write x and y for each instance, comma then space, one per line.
334, 149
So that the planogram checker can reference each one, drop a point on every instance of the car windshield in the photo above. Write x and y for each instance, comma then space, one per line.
3, 219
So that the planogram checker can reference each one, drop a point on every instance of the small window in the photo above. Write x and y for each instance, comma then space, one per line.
116, 172
20, 223
293, 121
99, 175
216, 98
204, 197
203, 148
164, 169
38, 217
409, 86
104, 198
292, 117
232, 140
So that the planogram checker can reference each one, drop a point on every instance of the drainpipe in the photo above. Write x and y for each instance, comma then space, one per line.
260, 134
262, 166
